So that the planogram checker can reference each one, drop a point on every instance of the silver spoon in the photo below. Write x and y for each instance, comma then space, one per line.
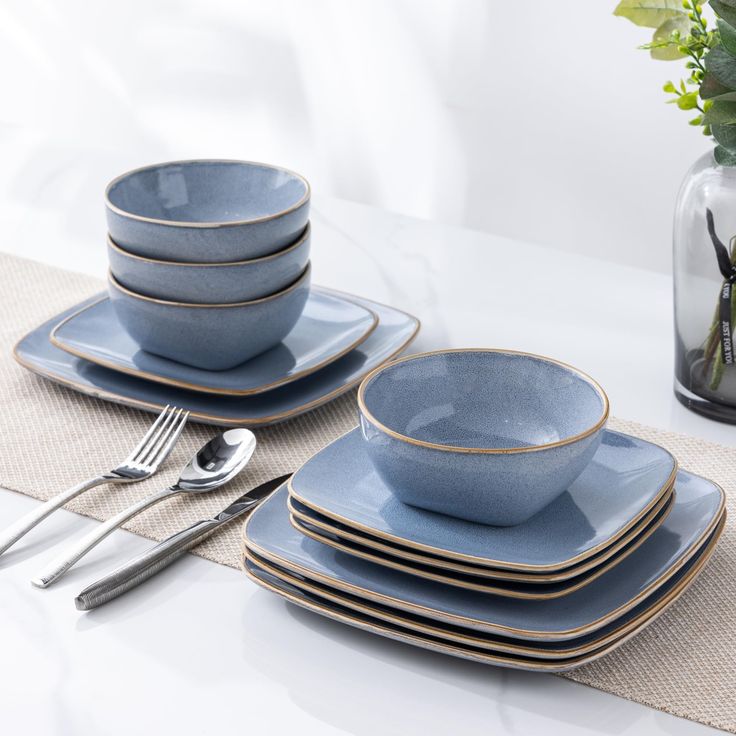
220, 460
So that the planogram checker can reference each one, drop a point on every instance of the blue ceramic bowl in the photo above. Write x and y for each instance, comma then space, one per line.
207, 211
490, 436
209, 283
210, 336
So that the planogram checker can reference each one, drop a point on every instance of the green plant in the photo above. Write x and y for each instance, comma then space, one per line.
681, 31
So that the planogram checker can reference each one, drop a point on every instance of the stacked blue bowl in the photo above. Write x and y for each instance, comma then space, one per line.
209, 259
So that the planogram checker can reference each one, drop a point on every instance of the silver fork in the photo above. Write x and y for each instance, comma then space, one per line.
142, 463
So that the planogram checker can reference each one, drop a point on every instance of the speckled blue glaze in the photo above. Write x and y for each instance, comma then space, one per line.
207, 211
412, 556
511, 588
698, 506
625, 478
289, 584
328, 327
210, 283
394, 332
487, 401
210, 337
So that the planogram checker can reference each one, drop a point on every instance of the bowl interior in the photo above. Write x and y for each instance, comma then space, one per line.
486, 400
208, 191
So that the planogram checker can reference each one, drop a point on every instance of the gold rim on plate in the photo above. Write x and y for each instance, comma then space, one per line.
489, 573
489, 627
479, 655
204, 225
156, 378
487, 562
483, 450
482, 587
644, 619
214, 418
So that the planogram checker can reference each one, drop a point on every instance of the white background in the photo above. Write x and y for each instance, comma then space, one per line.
536, 120
500, 116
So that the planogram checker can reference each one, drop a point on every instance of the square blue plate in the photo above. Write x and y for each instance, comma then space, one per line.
528, 590
329, 327
501, 651
697, 511
625, 479
396, 552
394, 332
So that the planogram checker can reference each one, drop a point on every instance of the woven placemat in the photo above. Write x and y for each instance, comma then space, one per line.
684, 664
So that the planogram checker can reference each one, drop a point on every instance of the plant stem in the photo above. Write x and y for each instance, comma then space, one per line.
713, 352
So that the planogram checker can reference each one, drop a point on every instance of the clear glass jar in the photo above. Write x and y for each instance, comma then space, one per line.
705, 380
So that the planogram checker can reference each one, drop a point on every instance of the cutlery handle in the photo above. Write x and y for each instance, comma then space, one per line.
72, 555
11, 534
144, 566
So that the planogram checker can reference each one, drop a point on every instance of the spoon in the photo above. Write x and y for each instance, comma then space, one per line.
220, 460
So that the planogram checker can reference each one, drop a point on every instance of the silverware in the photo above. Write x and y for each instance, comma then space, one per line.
221, 459
142, 463
153, 560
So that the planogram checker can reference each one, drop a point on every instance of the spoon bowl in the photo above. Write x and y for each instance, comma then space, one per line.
219, 461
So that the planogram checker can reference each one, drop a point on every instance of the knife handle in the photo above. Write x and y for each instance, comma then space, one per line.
144, 566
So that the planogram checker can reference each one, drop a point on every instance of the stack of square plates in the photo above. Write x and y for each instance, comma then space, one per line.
578, 579
336, 342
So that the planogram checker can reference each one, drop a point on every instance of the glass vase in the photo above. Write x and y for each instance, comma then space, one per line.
705, 304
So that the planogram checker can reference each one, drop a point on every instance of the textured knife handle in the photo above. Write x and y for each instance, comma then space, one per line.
144, 566
59, 566
11, 534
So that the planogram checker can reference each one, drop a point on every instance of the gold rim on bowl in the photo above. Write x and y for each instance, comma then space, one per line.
482, 450
195, 224
248, 261
117, 285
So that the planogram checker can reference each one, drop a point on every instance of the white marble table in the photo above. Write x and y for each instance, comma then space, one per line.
201, 650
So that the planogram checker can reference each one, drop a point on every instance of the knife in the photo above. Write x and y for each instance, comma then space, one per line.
155, 559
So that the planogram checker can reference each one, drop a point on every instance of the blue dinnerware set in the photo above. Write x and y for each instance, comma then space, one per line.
483, 509
210, 304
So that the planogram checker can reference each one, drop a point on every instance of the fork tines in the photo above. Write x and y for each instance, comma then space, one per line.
158, 442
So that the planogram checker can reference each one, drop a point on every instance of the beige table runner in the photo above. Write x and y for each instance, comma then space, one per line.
52, 437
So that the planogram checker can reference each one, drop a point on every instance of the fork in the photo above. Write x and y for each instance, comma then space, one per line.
142, 463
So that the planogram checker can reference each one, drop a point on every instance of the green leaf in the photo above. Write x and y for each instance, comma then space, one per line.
722, 113
728, 36
725, 97
724, 10
688, 101
724, 157
649, 13
710, 87
669, 87
722, 66
671, 51
725, 135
